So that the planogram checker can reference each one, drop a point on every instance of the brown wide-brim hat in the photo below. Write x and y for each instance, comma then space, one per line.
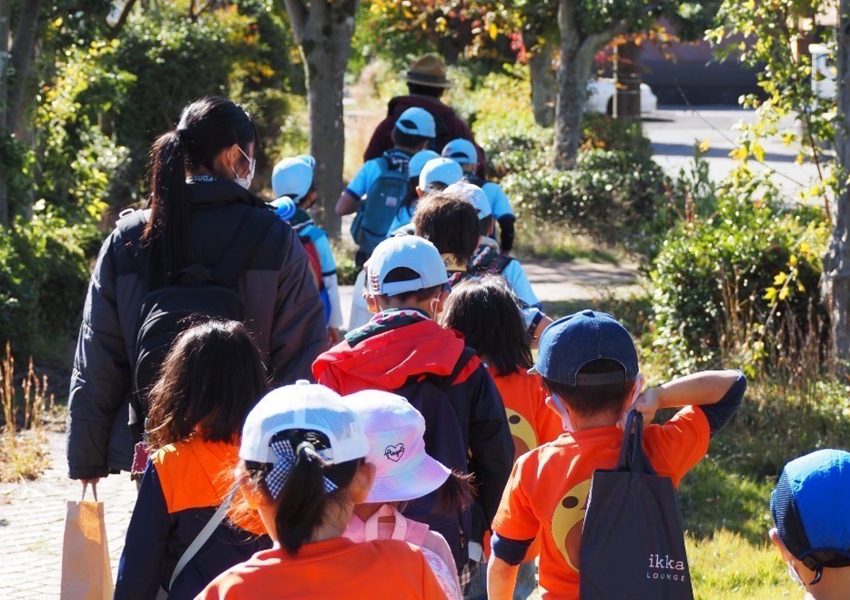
428, 71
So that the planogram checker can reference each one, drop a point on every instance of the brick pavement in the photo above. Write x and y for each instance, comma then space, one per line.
32, 518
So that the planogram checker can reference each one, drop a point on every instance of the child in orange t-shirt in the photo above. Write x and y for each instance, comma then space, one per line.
487, 313
589, 366
303, 456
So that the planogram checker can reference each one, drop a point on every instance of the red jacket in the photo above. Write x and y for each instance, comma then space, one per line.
403, 356
449, 127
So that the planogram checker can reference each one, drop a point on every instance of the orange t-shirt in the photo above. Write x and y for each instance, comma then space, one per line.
532, 423
334, 568
548, 488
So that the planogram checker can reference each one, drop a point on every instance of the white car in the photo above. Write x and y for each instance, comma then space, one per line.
600, 97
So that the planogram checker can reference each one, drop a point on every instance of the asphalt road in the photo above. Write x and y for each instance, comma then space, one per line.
673, 132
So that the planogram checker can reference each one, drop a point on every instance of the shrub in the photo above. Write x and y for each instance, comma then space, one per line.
740, 286
615, 197
44, 272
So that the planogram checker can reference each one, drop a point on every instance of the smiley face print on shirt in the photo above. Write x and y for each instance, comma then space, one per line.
567, 519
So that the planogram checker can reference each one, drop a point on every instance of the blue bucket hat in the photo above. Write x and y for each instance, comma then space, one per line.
811, 509
461, 150
571, 342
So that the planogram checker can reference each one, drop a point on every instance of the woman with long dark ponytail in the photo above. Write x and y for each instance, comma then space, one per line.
201, 218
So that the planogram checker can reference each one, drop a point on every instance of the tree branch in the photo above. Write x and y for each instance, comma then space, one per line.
297, 17
203, 9
122, 18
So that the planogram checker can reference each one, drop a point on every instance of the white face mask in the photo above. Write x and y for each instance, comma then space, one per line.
556, 404
245, 182
792, 573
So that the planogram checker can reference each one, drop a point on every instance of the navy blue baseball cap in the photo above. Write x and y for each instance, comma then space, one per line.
811, 509
571, 342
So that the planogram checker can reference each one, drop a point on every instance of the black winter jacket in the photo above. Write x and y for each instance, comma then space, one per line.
283, 308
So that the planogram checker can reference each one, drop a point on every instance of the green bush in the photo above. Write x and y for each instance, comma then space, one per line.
44, 272
615, 197
741, 285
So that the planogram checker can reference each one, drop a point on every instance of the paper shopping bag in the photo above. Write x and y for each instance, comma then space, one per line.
86, 572
632, 541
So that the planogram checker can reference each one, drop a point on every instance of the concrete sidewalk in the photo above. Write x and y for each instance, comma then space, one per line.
32, 525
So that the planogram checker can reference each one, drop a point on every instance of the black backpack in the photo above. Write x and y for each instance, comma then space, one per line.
429, 394
195, 293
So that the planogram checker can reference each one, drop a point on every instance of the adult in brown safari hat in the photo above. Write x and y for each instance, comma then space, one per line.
426, 83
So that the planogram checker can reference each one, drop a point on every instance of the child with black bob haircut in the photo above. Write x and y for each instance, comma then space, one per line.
589, 366
210, 379
304, 467
450, 223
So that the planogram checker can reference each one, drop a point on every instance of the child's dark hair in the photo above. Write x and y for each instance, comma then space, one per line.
487, 313
210, 379
592, 400
405, 274
450, 223
302, 504
456, 494
407, 140
207, 126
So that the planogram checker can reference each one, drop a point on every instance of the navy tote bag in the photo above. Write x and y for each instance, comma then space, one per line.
632, 541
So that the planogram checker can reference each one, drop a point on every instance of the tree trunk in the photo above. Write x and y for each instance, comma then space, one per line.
5, 19
323, 30
627, 82
544, 89
837, 260
23, 52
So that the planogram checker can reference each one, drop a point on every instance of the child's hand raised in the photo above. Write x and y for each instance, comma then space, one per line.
647, 404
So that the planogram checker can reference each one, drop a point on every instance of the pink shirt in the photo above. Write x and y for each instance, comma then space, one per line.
434, 546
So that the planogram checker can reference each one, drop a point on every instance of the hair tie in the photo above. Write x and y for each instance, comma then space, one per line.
282, 470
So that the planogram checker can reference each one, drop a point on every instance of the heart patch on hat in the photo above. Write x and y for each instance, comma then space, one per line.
394, 453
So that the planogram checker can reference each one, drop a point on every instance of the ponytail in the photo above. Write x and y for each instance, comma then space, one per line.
168, 226
207, 126
311, 487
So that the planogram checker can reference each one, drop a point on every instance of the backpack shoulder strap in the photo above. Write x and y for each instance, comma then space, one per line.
252, 229
467, 355
202, 537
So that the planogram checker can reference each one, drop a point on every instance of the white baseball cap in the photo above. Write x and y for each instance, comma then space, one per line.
474, 195
408, 251
403, 470
417, 121
461, 150
439, 170
293, 177
414, 167
303, 406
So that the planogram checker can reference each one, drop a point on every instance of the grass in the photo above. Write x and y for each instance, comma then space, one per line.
538, 239
728, 566
23, 447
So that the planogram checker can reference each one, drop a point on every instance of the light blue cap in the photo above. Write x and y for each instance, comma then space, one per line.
293, 177
440, 170
414, 167
461, 150
417, 121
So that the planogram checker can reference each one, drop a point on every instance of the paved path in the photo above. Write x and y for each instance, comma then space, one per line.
32, 513
32, 516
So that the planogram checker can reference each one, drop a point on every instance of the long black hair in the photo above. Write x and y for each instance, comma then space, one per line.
487, 313
211, 377
207, 126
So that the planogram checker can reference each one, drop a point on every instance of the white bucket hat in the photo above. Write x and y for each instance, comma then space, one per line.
403, 470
